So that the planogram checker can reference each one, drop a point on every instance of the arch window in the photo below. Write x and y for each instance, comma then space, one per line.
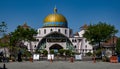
35, 46
39, 32
75, 46
72, 40
75, 40
65, 31
51, 30
44, 31
59, 30
37, 39
85, 46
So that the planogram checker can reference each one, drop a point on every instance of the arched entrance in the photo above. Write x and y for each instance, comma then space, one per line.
56, 47
53, 38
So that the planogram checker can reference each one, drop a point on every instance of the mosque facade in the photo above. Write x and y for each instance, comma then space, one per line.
55, 34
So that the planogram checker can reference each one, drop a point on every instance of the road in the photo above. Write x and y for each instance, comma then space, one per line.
61, 65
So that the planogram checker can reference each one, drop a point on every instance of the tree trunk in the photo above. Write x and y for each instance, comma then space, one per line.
101, 50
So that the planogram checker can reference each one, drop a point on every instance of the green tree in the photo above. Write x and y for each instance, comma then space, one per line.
45, 52
98, 33
22, 34
3, 39
61, 51
68, 52
52, 51
3, 27
118, 47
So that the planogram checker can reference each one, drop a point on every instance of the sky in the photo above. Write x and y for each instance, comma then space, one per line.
77, 12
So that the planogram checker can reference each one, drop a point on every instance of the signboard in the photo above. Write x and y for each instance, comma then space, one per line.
78, 57
36, 57
50, 56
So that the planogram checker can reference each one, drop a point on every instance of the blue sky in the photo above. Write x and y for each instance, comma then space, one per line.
77, 12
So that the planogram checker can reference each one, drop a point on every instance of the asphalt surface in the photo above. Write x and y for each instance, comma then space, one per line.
60, 65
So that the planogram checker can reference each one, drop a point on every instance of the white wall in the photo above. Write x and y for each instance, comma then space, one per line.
81, 33
86, 47
54, 29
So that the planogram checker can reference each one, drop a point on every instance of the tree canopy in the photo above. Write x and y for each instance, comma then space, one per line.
22, 34
3, 38
3, 27
96, 33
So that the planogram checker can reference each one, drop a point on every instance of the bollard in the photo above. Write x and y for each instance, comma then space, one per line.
94, 61
71, 59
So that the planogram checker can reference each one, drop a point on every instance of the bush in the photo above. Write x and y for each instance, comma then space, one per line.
72, 53
52, 51
27, 54
105, 59
61, 51
68, 52
88, 53
98, 52
45, 52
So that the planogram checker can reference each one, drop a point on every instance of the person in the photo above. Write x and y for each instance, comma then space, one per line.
19, 56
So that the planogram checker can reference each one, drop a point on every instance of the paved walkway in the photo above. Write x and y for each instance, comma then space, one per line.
61, 65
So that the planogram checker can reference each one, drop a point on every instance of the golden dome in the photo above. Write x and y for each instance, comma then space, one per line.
55, 18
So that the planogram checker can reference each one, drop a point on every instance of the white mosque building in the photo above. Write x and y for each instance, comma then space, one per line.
55, 34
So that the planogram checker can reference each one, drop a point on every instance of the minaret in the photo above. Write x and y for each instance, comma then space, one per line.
55, 9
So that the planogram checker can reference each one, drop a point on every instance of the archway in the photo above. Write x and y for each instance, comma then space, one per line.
55, 37
56, 47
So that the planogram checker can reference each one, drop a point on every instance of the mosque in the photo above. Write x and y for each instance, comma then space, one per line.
55, 34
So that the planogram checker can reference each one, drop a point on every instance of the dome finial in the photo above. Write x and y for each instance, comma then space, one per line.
55, 9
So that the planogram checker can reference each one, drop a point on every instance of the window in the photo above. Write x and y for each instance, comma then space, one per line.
75, 40
39, 31
72, 40
89, 50
59, 30
75, 46
51, 30
85, 46
79, 40
83, 50
86, 40
44, 31
35, 46
37, 39
65, 31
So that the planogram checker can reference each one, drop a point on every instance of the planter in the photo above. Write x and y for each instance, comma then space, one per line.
113, 59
